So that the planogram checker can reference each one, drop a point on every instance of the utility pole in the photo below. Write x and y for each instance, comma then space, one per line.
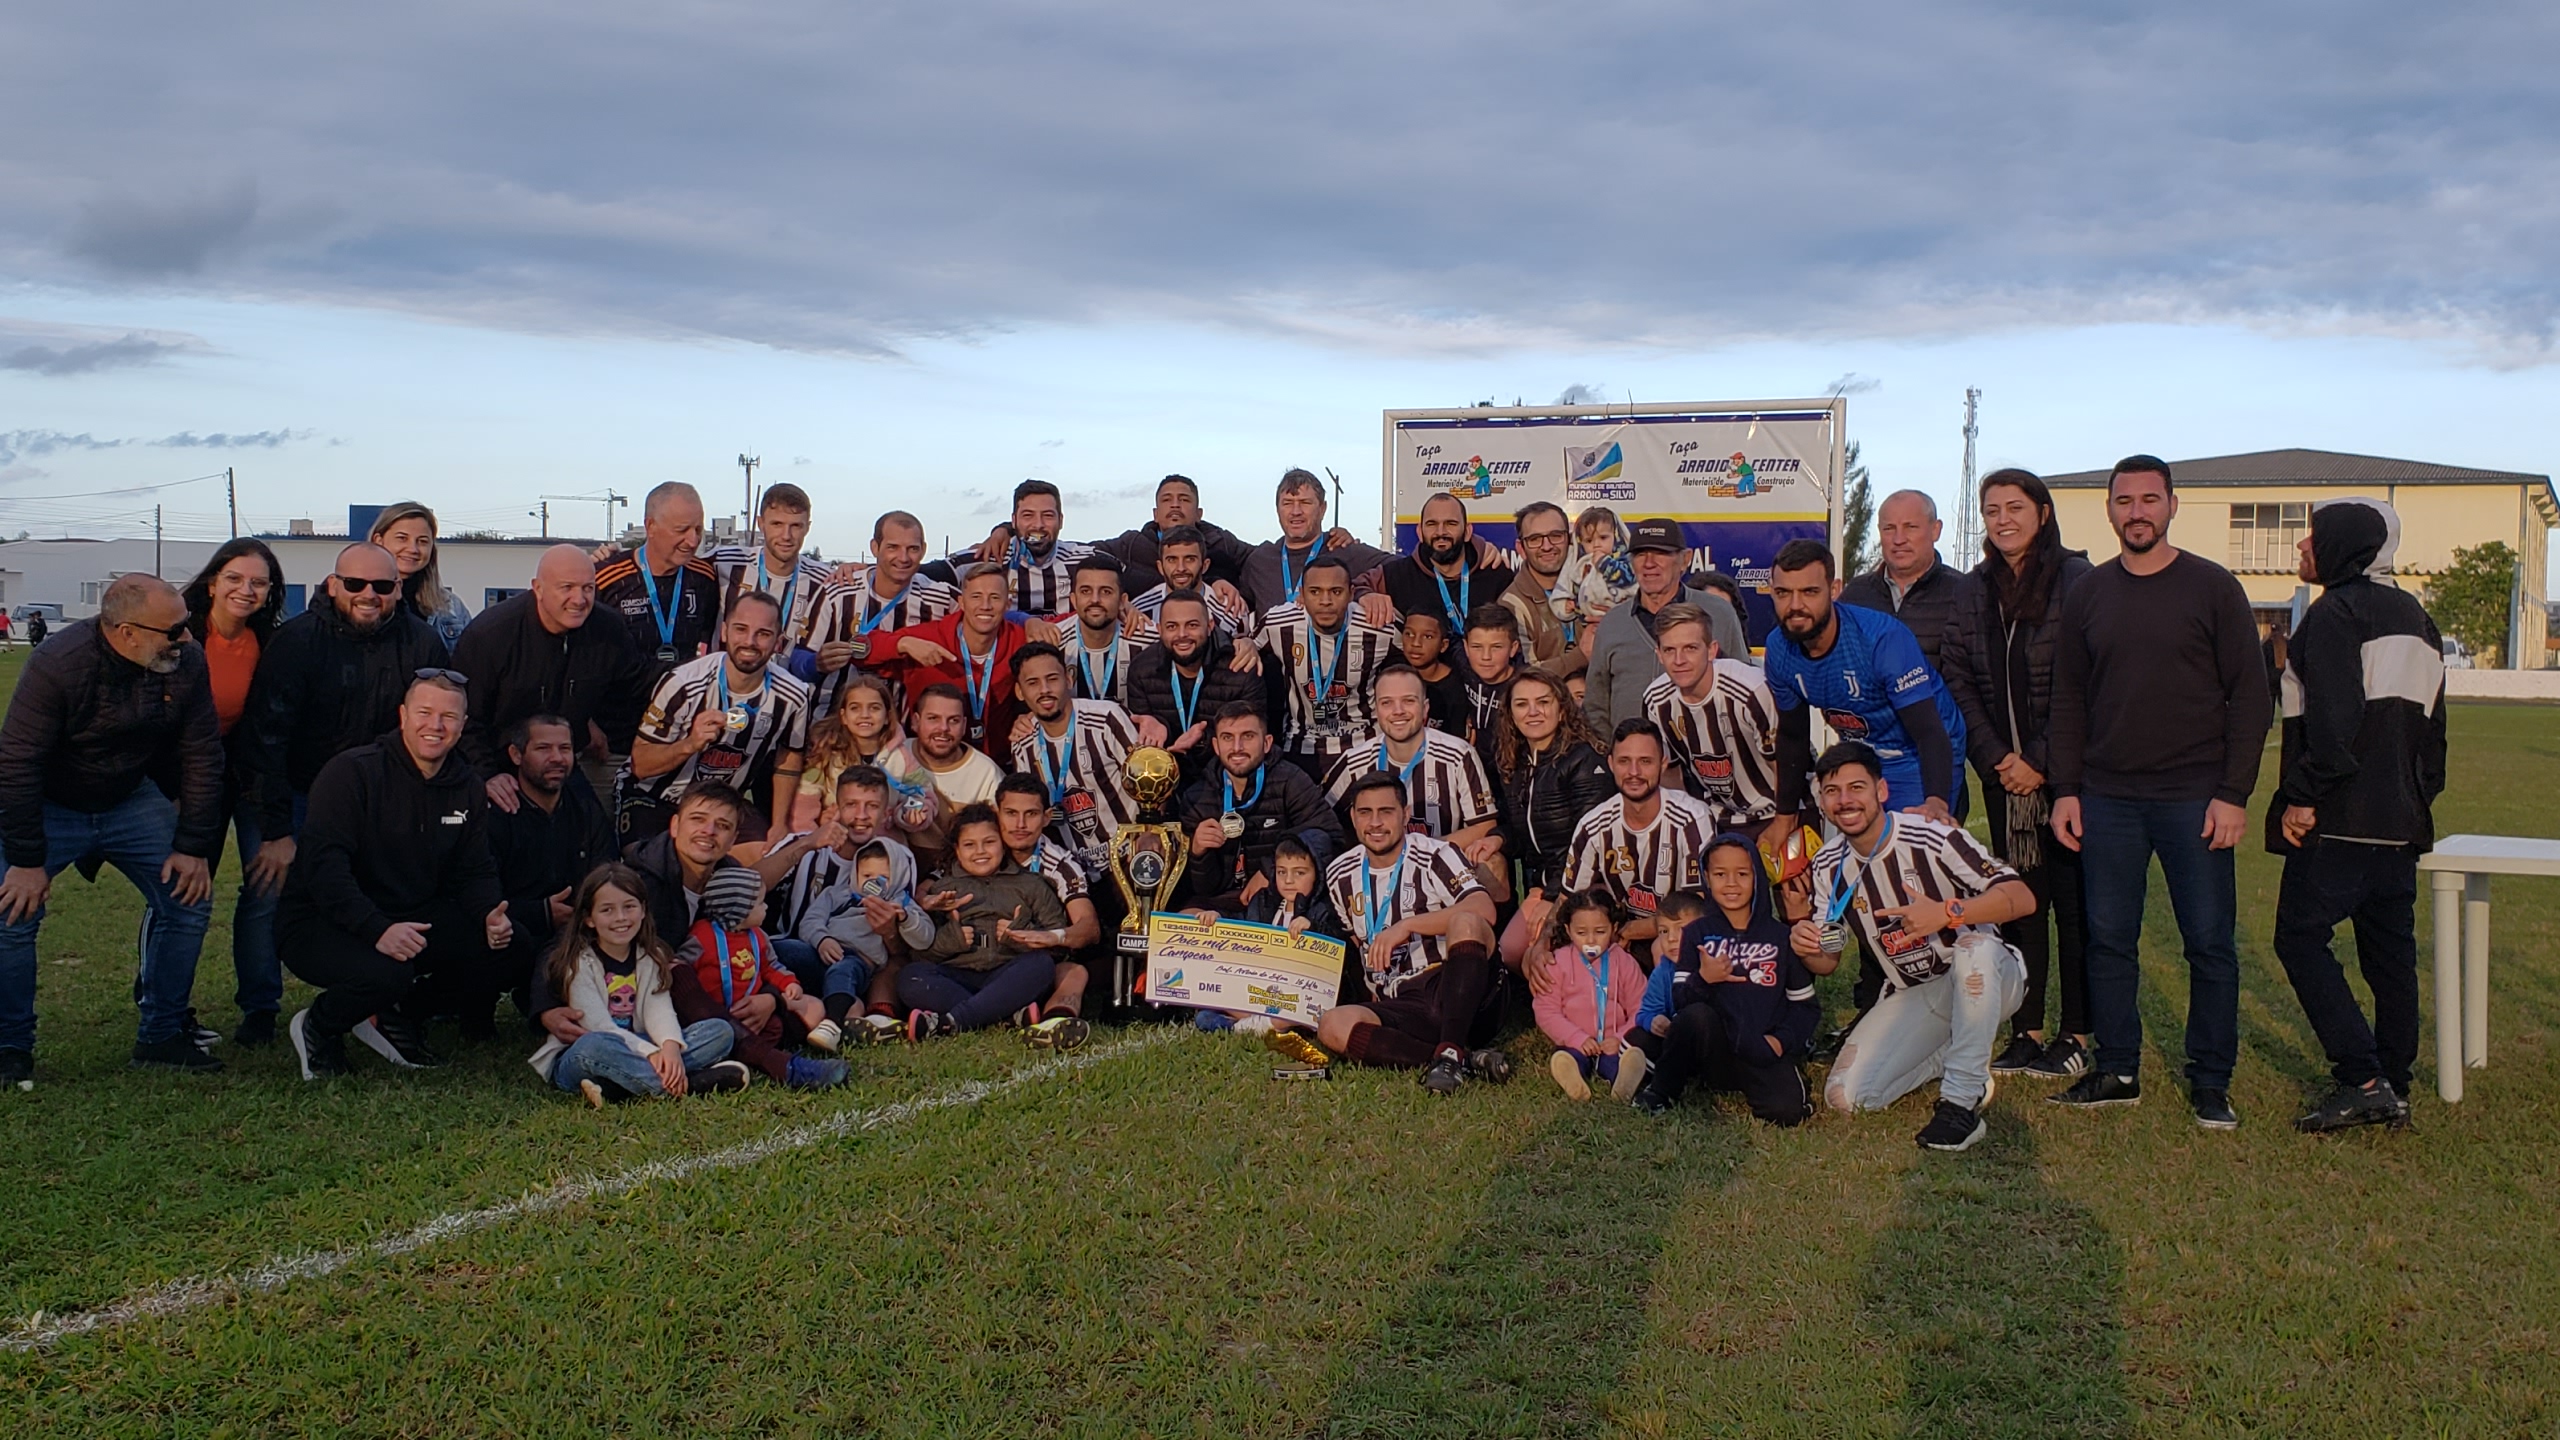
231, 482
545, 515
1969, 500
748, 463
155, 540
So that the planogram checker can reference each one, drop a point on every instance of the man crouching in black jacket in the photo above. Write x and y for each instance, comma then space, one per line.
392, 885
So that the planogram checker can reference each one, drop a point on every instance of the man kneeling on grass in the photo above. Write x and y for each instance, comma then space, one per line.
1425, 924
1949, 980
993, 950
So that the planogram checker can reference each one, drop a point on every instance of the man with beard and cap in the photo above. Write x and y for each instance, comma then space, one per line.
729, 717
2364, 760
1039, 568
558, 832
537, 654
1140, 552
1445, 574
1183, 680
1182, 558
1277, 568
2160, 712
112, 748
666, 597
886, 595
1105, 636
1910, 582
1545, 538
1623, 661
331, 679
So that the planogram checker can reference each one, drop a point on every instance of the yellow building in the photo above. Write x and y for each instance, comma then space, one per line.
2249, 511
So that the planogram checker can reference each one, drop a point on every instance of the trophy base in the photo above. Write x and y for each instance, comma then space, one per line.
1301, 1072
1132, 944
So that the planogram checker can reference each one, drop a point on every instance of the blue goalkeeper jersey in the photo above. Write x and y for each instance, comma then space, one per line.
1871, 670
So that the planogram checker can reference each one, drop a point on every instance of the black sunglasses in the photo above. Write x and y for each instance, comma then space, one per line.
450, 677
379, 587
173, 633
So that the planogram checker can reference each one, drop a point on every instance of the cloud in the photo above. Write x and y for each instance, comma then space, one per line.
802, 460
253, 440
1580, 394
1430, 178
38, 347
15, 444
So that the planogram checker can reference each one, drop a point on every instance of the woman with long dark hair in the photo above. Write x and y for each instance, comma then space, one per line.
1552, 772
408, 531
611, 968
1998, 662
233, 606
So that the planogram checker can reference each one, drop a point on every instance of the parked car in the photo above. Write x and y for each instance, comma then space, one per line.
2456, 657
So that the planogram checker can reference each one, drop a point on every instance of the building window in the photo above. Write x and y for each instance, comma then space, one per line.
2263, 537
92, 591
499, 595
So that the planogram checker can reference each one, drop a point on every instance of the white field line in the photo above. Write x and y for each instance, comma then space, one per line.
36, 1332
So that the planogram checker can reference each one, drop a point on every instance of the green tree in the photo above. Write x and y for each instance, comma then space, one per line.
2469, 599
1857, 518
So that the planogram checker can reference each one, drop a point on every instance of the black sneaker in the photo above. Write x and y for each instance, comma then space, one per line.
926, 1025
1447, 1073
1490, 1066
2349, 1106
1826, 1046
204, 1036
178, 1052
17, 1070
320, 1056
718, 1078
2023, 1050
2061, 1060
1952, 1127
2094, 1090
257, 1030
2214, 1112
397, 1040
1649, 1101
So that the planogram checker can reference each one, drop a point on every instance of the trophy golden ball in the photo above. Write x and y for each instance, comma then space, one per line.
1152, 774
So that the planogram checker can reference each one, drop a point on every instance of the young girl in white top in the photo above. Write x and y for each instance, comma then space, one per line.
611, 967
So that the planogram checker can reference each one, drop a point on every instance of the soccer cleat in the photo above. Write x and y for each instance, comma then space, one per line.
593, 1094
879, 1030
2096, 1089
1026, 1017
926, 1025
1649, 1101
1952, 1127
1256, 1025
257, 1030
2063, 1059
319, 1056
718, 1078
1446, 1074
804, 1073
17, 1069
1826, 1046
1491, 1066
1631, 1071
1212, 1022
2213, 1110
178, 1052
1058, 1032
396, 1040
827, 1035
2023, 1050
2349, 1106
1294, 1046
1568, 1072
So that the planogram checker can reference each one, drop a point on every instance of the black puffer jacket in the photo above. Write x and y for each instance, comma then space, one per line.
1975, 663
1929, 608
1151, 693
1137, 552
86, 726
1543, 801
323, 686
517, 669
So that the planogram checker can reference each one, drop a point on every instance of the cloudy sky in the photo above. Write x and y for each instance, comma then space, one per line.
481, 253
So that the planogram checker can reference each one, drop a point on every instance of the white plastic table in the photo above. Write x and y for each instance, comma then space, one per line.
2459, 869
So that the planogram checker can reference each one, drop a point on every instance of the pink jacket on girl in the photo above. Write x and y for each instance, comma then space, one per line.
1569, 1012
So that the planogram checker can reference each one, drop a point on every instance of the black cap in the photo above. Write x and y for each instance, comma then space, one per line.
1655, 535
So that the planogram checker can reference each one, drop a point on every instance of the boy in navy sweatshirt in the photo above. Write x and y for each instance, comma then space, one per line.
1734, 1006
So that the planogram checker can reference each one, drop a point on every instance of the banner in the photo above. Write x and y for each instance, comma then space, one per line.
1739, 482
1238, 965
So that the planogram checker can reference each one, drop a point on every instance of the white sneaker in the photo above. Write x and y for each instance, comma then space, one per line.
380, 1044
1568, 1073
1255, 1025
1631, 1067
593, 1092
827, 1035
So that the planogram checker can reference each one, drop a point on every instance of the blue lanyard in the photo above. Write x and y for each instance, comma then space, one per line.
888, 604
977, 683
1376, 919
1320, 684
1229, 785
1404, 772
1054, 764
1182, 709
1466, 589
1841, 889
1599, 991
1289, 586
720, 949
666, 619
723, 676
1110, 675
790, 591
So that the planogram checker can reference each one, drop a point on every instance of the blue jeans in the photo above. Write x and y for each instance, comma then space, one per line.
802, 961
2118, 840
608, 1059
134, 837
259, 975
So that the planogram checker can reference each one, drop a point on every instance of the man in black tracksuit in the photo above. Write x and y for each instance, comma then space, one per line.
331, 679
392, 885
538, 654
1186, 678
2364, 757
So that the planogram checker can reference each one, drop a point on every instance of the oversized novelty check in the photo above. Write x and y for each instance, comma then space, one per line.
1239, 965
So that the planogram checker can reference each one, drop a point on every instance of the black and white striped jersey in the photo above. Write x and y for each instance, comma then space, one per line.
1058, 865
743, 567
766, 723
853, 611
1445, 784
1327, 678
1915, 859
1086, 771
1426, 877
1102, 673
1221, 614
1726, 749
1639, 867
1040, 585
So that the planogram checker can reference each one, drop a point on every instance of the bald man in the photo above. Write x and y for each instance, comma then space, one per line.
112, 748
1910, 582
538, 654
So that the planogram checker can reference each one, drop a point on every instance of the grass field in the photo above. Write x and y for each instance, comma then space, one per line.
1163, 1241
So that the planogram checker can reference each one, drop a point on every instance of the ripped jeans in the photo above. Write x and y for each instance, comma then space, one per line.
1943, 1029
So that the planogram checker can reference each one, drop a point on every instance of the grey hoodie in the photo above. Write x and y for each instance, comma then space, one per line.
837, 909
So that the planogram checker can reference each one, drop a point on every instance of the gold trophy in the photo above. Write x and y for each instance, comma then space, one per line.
1147, 856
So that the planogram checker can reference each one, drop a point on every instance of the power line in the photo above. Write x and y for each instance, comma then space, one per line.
120, 490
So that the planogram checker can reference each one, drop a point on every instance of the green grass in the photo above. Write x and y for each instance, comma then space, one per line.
1169, 1243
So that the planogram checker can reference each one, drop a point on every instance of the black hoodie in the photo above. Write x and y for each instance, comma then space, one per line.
382, 843
1773, 992
2363, 689
518, 668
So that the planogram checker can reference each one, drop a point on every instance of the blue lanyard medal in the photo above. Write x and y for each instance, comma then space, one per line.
1289, 585
735, 718
976, 684
790, 592
1321, 679
1110, 673
1404, 775
1374, 916
1055, 764
1843, 888
1183, 709
1231, 819
666, 617
1457, 608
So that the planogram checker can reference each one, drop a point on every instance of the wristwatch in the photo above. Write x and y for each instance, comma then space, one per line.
1955, 913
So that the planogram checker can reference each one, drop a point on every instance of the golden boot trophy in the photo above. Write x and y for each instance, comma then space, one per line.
1147, 857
